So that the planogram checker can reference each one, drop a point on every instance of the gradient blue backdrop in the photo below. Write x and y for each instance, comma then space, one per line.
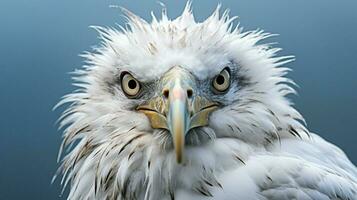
40, 41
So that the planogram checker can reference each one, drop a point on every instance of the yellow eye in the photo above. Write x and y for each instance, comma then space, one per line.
130, 85
222, 81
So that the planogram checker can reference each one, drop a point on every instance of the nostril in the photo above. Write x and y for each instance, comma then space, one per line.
189, 93
166, 93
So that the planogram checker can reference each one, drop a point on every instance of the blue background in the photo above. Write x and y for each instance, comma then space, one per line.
40, 41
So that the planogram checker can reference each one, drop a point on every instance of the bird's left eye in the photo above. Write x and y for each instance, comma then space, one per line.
130, 85
222, 81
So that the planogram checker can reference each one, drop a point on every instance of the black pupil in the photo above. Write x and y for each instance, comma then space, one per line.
220, 79
132, 84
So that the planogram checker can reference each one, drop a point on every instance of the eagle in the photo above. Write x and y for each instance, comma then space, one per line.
180, 109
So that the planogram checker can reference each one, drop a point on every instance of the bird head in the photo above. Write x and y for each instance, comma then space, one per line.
156, 97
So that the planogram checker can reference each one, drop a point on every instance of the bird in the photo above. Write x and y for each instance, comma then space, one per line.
186, 109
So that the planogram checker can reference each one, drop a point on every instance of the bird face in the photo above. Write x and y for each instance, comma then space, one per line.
179, 107
179, 100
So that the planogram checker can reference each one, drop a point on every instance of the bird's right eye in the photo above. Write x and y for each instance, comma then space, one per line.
130, 86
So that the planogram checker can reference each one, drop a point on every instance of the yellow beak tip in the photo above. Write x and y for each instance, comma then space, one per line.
179, 160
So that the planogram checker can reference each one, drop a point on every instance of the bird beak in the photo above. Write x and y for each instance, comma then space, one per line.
178, 118
178, 109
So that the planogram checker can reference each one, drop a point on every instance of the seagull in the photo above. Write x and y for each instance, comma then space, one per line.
180, 109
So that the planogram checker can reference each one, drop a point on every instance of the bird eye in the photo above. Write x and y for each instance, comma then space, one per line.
130, 85
222, 81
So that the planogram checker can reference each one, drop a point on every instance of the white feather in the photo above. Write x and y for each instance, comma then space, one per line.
259, 147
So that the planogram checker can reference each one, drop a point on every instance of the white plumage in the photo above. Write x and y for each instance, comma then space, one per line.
254, 145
